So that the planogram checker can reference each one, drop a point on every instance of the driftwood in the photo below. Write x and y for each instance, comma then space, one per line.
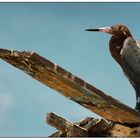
71, 86
67, 128
90, 127
77, 90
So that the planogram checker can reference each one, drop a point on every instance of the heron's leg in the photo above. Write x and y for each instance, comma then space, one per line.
137, 107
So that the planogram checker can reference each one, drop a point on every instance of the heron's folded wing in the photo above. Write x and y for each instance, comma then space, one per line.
130, 55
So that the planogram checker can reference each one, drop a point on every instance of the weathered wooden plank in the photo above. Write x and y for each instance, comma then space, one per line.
68, 128
96, 127
58, 134
71, 86
58, 122
90, 127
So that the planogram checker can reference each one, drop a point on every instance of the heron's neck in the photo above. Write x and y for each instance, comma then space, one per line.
115, 46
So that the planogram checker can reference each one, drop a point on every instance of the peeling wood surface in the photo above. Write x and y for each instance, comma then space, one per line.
119, 130
90, 127
71, 86
67, 128
85, 128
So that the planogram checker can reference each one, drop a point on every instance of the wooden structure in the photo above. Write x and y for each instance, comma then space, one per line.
80, 92
90, 127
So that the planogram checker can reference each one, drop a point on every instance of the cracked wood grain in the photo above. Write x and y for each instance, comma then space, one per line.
71, 86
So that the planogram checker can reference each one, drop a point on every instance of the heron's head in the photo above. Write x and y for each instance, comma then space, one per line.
117, 29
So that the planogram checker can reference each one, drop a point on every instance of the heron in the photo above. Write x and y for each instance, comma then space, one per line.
126, 52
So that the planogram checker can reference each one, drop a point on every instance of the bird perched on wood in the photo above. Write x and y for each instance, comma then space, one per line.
126, 51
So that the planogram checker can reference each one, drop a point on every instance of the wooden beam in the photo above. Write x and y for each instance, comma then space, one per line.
58, 134
66, 127
71, 86
90, 127
58, 122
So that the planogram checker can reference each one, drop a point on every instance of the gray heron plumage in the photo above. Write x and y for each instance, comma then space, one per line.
126, 51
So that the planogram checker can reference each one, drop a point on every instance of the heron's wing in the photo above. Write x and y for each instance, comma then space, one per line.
130, 55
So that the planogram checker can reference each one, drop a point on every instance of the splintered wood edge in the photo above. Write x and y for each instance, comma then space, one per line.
57, 121
17, 58
90, 127
65, 126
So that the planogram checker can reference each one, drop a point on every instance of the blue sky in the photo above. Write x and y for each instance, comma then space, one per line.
56, 31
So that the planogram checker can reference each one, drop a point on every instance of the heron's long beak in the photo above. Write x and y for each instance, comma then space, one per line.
104, 29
